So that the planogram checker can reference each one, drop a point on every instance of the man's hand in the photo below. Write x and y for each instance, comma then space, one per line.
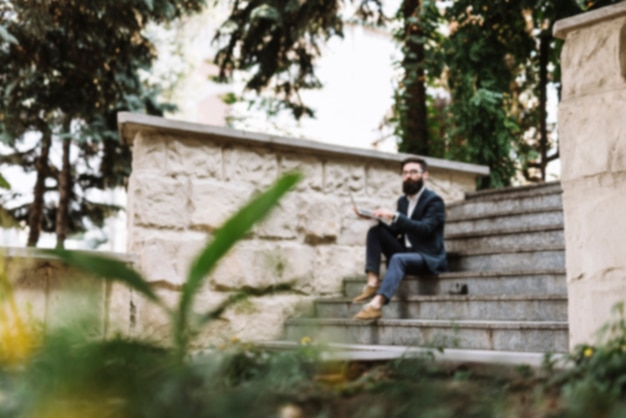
384, 213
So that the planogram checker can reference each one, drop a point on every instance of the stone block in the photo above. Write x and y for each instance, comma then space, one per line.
246, 166
591, 60
593, 139
165, 256
159, 201
335, 263
189, 249
343, 177
212, 203
320, 218
262, 318
151, 322
258, 265
354, 229
311, 168
118, 310
195, 158
594, 228
75, 298
30, 281
158, 258
451, 186
282, 221
384, 180
595, 302
149, 151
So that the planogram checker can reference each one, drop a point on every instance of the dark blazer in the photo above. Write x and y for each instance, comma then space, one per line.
424, 229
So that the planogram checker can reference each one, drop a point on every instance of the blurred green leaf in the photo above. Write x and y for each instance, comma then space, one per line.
265, 12
232, 231
107, 268
4, 184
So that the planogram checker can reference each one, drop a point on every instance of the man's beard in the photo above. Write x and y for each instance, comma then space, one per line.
411, 187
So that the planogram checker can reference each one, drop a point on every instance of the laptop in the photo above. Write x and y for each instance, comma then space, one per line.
366, 213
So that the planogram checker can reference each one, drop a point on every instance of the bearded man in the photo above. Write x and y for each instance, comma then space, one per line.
411, 240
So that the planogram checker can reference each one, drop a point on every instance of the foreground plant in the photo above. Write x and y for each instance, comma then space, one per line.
71, 373
235, 228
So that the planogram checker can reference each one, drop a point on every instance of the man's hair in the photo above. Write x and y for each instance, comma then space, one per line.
423, 164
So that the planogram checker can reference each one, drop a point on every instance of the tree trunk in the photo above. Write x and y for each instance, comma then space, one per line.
65, 186
544, 50
35, 217
415, 129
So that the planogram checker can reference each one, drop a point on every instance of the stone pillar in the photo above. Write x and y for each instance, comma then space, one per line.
592, 135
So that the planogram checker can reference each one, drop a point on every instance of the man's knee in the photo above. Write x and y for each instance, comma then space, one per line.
397, 260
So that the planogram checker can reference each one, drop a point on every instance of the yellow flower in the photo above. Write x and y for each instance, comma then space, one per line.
306, 340
588, 352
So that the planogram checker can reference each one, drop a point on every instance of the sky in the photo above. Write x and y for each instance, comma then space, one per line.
357, 73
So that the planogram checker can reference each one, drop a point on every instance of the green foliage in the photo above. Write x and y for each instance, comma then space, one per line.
595, 382
494, 60
278, 42
498, 63
184, 328
66, 69
72, 374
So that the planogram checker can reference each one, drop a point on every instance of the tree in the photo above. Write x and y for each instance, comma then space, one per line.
411, 99
66, 68
500, 61
497, 63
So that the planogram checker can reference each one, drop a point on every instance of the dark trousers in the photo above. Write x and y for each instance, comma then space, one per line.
400, 260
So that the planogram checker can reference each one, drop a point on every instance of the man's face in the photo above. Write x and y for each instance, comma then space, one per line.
412, 178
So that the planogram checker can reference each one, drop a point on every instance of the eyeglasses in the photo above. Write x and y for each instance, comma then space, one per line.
411, 173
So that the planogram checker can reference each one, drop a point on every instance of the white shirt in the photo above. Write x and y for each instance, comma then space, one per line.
412, 204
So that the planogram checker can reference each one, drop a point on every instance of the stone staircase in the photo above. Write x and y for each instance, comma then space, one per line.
506, 248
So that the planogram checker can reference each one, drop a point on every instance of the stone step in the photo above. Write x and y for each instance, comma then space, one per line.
529, 282
480, 362
509, 239
475, 335
514, 192
514, 219
498, 205
538, 258
537, 282
453, 307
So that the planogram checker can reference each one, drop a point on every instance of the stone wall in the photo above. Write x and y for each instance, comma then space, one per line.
187, 179
49, 295
592, 136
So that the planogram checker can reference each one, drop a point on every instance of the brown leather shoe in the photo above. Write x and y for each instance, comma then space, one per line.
367, 293
368, 313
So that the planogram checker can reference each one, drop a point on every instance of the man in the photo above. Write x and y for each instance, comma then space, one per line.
412, 242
